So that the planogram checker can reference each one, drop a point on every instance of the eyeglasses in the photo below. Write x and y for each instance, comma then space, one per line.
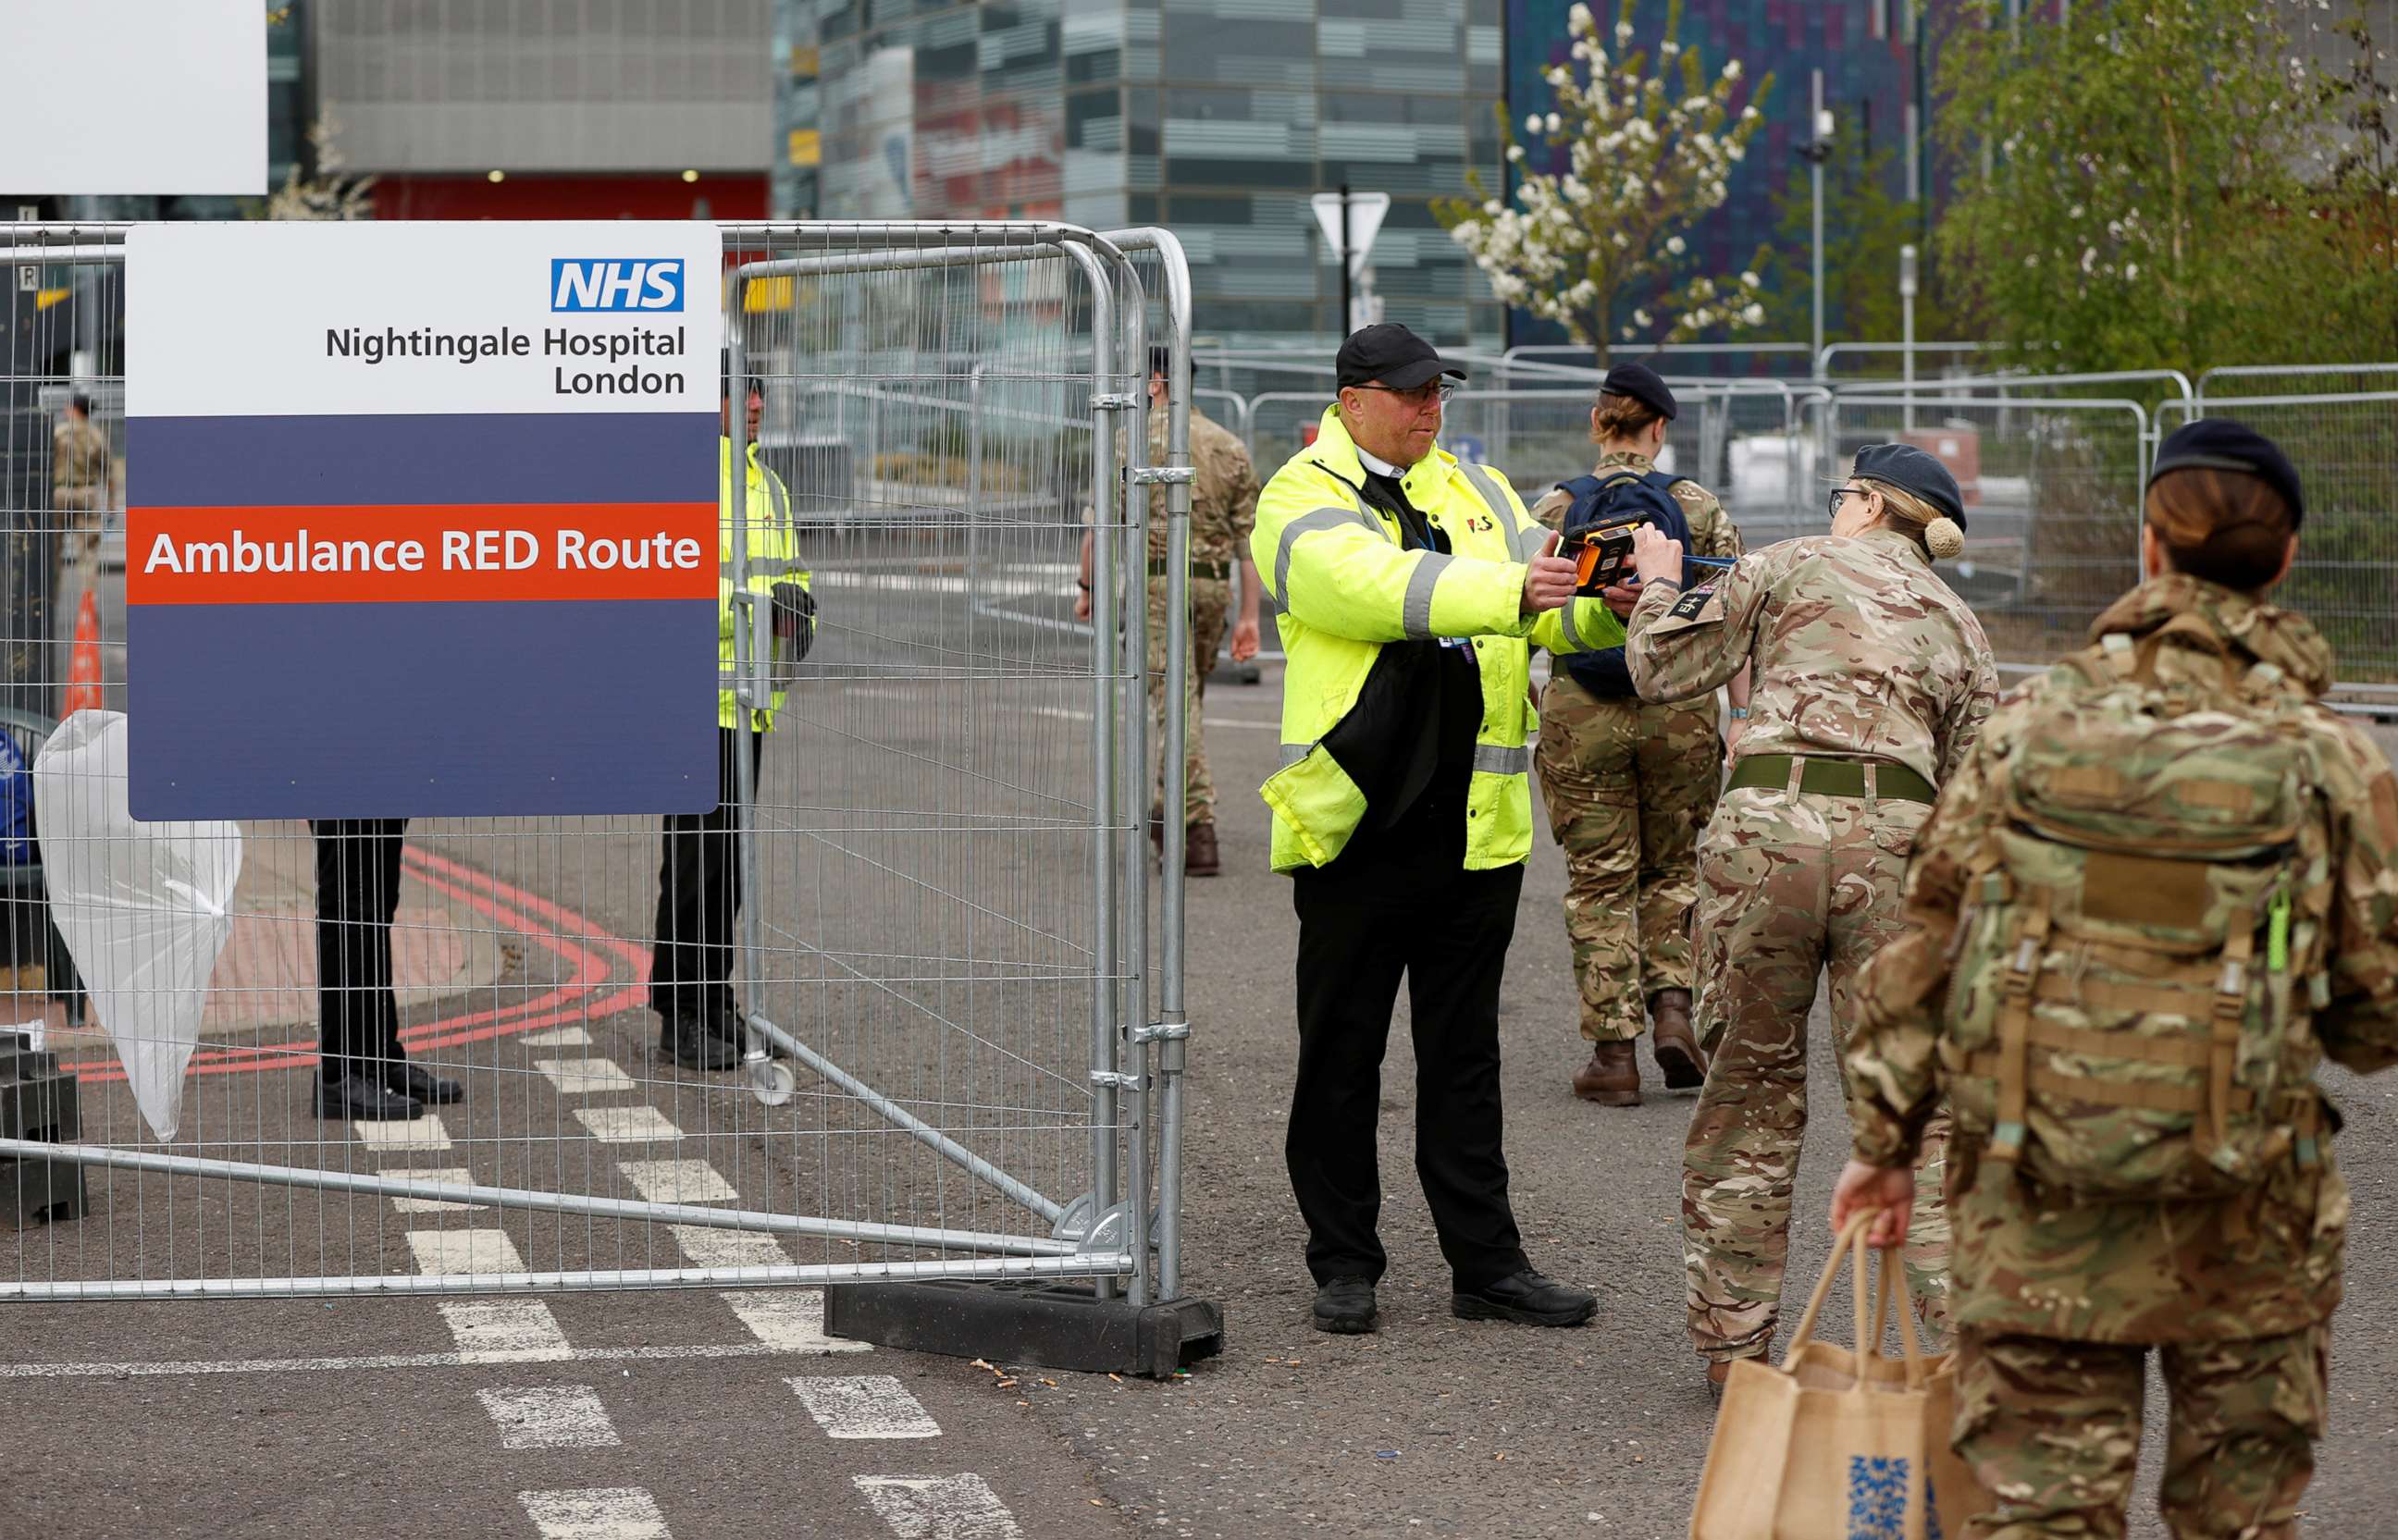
1832, 507
1422, 396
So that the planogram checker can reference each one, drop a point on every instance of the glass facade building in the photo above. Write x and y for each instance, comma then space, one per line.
1218, 118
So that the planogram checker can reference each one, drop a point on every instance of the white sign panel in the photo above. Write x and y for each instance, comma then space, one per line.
370, 318
1365, 212
161, 96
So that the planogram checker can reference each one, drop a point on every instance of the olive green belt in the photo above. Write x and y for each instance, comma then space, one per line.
1832, 777
1221, 571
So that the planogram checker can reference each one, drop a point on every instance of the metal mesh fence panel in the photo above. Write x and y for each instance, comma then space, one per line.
2052, 499
913, 890
2345, 445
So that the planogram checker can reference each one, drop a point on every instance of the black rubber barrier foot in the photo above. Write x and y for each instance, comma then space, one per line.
1056, 1326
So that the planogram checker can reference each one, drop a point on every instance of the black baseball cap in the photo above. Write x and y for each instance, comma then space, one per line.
1389, 353
1912, 469
2220, 444
1640, 383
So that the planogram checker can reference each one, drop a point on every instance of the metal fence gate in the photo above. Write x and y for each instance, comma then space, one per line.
964, 1027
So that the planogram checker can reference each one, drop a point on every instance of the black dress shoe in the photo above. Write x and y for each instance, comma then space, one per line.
1345, 1306
421, 1083
689, 1042
1526, 1298
363, 1098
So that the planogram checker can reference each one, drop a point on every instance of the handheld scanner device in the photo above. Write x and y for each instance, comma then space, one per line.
1602, 553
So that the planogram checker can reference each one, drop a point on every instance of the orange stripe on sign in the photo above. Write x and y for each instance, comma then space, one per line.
417, 555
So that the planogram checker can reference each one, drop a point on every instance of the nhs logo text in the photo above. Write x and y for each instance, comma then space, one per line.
615, 283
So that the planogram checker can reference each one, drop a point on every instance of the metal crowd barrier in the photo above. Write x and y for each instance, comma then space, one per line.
964, 1033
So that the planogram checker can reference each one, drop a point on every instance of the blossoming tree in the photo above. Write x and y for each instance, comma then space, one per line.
1649, 139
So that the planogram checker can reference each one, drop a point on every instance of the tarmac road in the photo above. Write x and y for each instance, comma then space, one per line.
207, 1419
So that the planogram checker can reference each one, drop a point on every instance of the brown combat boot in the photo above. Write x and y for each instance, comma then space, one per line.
1676, 1046
1200, 857
1613, 1076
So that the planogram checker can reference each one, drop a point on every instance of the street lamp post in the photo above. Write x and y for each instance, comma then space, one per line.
1906, 330
1817, 150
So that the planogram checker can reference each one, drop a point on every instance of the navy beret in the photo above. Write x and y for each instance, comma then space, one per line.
2220, 444
1640, 383
1913, 470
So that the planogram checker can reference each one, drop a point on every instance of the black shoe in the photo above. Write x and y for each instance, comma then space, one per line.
1528, 1299
416, 1080
1345, 1306
689, 1042
364, 1099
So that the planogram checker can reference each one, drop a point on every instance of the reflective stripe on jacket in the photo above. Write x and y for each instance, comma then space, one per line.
1341, 586
774, 557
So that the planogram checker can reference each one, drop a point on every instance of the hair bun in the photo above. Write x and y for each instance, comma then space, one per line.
1944, 538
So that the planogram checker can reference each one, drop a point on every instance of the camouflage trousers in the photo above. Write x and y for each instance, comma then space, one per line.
2051, 1430
1209, 599
1790, 883
1629, 785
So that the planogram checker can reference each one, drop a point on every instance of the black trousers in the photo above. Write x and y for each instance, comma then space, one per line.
699, 889
357, 893
1402, 908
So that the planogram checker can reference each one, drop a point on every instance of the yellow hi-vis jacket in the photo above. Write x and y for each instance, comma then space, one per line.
774, 557
1342, 585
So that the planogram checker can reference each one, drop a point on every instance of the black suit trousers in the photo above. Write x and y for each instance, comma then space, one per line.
1368, 919
699, 889
357, 893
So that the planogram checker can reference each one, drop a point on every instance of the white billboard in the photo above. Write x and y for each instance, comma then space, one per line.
134, 97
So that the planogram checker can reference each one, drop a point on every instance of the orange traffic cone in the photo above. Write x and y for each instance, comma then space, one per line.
83, 662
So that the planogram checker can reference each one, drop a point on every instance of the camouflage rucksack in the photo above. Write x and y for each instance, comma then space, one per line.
2119, 1019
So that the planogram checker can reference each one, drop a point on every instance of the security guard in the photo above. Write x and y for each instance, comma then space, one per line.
1410, 588
1871, 679
2060, 1290
699, 871
1630, 783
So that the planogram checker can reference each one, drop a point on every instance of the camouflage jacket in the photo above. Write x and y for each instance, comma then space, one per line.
79, 456
1712, 532
1861, 651
1224, 499
2261, 1263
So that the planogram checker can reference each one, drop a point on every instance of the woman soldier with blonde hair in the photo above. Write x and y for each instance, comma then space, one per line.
1870, 680
1629, 782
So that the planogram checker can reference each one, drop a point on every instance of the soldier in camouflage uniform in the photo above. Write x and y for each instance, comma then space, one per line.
2057, 1297
1870, 681
1629, 783
1223, 511
83, 469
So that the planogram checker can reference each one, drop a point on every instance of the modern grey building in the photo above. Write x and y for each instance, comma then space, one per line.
1218, 118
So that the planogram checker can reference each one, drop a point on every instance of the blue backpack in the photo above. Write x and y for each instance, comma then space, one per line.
1609, 498
16, 805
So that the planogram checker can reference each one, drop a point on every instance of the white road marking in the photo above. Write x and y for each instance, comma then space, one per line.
939, 1508
596, 1513
790, 1321
465, 1251
863, 1406
633, 1125
503, 1330
422, 1133
448, 1177
385, 1361
550, 1416
676, 1180
1236, 722
709, 1247
595, 1076
561, 1037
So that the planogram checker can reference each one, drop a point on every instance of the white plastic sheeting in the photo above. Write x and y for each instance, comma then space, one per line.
146, 908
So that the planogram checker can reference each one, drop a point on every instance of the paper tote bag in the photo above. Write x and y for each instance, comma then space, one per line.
1838, 1444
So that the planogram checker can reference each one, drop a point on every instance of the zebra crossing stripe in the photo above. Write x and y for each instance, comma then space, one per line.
596, 1513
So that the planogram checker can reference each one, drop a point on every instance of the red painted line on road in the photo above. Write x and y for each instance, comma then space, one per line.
508, 905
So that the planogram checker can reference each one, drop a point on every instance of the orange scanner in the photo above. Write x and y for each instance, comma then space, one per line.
1602, 556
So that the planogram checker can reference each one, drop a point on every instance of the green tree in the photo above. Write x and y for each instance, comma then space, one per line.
2148, 200
1649, 140
1864, 227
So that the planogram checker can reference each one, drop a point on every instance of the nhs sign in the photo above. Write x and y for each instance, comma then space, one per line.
615, 283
